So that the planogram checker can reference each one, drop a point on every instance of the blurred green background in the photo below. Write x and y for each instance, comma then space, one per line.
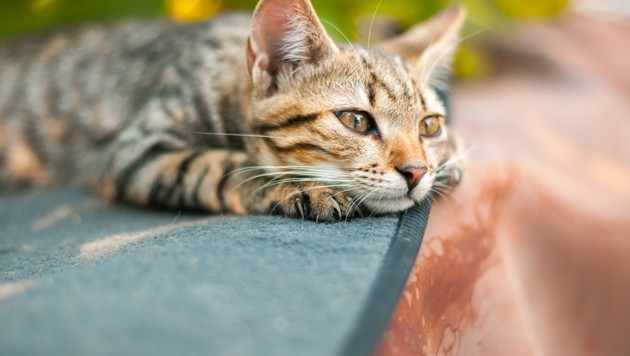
351, 17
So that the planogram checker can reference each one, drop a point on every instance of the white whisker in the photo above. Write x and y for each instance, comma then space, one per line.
318, 181
315, 177
371, 24
459, 155
448, 50
301, 168
274, 182
338, 30
369, 193
440, 193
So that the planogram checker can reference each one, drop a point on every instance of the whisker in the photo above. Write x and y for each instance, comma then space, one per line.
446, 191
456, 157
372, 24
366, 196
259, 176
323, 173
354, 202
310, 188
315, 177
352, 208
274, 182
447, 51
422, 73
338, 30
304, 168
440, 193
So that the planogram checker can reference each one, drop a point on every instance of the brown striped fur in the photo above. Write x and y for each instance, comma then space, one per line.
145, 111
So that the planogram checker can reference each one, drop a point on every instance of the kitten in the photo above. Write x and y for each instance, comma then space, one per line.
236, 114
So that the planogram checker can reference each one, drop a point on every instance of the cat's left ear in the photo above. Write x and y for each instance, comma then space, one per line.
430, 46
285, 34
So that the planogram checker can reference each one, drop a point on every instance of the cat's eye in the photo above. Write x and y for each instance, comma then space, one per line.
358, 121
430, 126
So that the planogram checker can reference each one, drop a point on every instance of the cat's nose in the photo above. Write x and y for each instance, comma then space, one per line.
412, 175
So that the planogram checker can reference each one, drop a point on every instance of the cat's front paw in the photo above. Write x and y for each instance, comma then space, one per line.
451, 172
450, 176
317, 204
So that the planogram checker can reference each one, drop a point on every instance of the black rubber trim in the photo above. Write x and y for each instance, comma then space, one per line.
389, 283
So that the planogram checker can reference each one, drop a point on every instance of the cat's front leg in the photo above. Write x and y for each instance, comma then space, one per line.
162, 176
214, 180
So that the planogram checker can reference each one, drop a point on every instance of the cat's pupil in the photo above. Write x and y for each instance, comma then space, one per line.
358, 121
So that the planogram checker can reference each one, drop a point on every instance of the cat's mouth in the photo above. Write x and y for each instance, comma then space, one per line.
389, 205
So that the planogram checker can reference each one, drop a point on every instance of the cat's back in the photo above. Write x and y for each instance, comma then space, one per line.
109, 67
78, 87
86, 57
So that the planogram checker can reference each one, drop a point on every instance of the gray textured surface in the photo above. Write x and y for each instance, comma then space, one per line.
79, 276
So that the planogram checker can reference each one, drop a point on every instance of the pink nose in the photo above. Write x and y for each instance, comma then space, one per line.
412, 175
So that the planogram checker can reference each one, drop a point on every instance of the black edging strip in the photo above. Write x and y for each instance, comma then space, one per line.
389, 283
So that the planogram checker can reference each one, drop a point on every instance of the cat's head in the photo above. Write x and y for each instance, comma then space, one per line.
367, 121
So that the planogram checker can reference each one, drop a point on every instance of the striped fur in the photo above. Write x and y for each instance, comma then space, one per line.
195, 116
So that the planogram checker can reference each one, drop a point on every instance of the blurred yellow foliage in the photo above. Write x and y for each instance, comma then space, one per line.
470, 62
39, 5
192, 10
530, 8
343, 18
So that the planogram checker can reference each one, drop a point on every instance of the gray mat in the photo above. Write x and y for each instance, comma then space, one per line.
79, 276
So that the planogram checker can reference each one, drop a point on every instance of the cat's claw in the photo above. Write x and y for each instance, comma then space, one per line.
359, 211
300, 208
356, 209
336, 207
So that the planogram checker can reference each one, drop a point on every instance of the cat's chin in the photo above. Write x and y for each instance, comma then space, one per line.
389, 205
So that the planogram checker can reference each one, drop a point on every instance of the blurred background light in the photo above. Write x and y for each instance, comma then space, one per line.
192, 10
352, 19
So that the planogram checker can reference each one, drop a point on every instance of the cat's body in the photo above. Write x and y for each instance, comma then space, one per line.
139, 111
70, 94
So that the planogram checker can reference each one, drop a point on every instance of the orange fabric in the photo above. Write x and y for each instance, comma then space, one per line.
531, 255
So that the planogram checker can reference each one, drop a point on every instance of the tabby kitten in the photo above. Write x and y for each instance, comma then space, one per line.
236, 114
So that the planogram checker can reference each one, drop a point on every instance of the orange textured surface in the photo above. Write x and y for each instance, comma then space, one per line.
531, 255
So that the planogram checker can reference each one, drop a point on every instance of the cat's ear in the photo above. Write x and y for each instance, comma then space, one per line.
285, 34
430, 46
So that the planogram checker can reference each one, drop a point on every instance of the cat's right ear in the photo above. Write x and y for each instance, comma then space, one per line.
285, 34
430, 45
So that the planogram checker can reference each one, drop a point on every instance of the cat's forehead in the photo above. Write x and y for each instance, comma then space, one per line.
401, 80
374, 81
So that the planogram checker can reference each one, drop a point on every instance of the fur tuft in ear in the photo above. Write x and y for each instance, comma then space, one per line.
285, 33
430, 46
